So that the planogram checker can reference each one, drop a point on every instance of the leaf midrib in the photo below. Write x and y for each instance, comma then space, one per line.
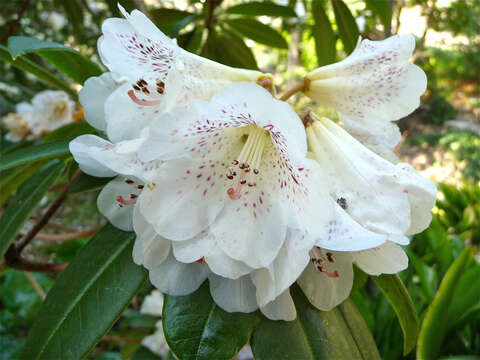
79, 298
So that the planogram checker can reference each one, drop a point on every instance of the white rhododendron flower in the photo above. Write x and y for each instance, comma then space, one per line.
385, 198
156, 343
373, 86
150, 74
48, 111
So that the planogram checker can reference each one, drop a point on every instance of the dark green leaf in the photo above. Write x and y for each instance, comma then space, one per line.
359, 330
10, 181
382, 9
74, 11
34, 152
396, 293
144, 354
25, 201
182, 23
435, 324
466, 297
359, 278
26, 65
192, 40
67, 60
312, 335
87, 298
257, 8
196, 328
325, 41
86, 183
69, 131
167, 19
229, 49
128, 5
347, 27
257, 31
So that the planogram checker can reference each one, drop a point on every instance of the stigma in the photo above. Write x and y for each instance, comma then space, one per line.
246, 166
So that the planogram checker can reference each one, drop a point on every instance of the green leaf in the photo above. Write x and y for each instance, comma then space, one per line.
191, 40
67, 60
229, 49
435, 324
182, 23
167, 19
87, 298
69, 131
382, 9
74, 11
257, 31
347, 27
359, 330
35, 152
314, 334
25, 201
396, 293
466, 297
27, 65
256, 8
322, 32
10, 181
359, 278
196, 328
86, 183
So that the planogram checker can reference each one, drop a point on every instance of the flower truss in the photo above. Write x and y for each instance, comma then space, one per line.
48, 111
220, 180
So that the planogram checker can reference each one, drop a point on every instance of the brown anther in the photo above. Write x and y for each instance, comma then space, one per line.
140, 187
133, 196
343, 203
135, 87
235, 162
230, 177
242, 166
255, 171
129, 181
252, 184
330, 257
243, 182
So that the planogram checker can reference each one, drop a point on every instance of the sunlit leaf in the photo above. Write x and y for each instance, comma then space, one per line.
257, 8
87, 298
396, 293
167, 19
322, 32
435, 324
196, 328
382, 9
67, 60
347, 27
257, 31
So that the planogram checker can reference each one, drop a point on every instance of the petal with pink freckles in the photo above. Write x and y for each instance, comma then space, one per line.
388, 258
282, 308
325, 292
372, 87
176, 278
233, 295
119, 215
367, 185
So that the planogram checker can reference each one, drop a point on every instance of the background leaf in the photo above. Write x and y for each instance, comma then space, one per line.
257, 8
196, 328
347, 27
24, 202
382, 9
87, 298
257, 31
325, 41
396, 293
167, 19
65, 59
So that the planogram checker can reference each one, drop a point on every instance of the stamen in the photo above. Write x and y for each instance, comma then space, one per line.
122, 201
320, 262
250, 158
142, 102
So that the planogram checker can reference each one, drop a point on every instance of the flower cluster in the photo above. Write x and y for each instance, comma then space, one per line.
221, 181
48, 111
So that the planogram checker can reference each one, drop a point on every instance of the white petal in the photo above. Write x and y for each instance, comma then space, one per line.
386, 259
372, 87
119, 215
175, 278
368, 185
183, 201
233, 295
223, 265
93, 96
285, 269
327, 292
153, 304
282, 308
149, 249
421, 195
193, 249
